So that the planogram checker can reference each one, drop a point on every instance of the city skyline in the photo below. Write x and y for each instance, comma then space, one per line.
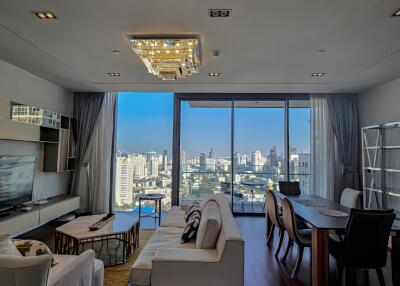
149, 115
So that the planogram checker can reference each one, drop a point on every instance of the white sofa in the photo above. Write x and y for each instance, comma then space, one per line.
70, 270
164, 261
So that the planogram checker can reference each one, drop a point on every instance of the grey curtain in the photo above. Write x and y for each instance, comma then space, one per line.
343, 112
86, 111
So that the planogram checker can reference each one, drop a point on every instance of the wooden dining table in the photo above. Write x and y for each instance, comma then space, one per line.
307, 208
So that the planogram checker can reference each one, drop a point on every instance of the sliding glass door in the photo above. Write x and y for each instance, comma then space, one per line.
205, 138
258, 152
239, 147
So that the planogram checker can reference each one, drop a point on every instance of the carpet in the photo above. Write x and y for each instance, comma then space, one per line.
118, 275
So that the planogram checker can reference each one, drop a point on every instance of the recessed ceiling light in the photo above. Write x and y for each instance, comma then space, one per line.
397, 13
318, 74
321, 51
114, 74
219, 13
45, 15
116, 52
214, 74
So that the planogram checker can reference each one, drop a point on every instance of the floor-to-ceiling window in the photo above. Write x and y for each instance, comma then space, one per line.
265, 138
205, 154
299, 143
144, 144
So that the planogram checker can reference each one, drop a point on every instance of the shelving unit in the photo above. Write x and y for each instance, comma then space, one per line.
381, 165
58, 140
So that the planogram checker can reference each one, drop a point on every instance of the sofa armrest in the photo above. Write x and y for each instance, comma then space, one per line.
185, 255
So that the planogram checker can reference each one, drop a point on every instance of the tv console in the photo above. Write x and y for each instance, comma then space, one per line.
17, 222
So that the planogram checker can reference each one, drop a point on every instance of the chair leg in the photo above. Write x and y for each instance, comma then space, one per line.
281, 236
270, 234
289, 245
380, 276
298, 262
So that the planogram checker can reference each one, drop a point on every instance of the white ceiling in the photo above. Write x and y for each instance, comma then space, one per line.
266, 46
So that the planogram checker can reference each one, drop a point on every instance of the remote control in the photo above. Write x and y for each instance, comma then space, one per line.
102, 222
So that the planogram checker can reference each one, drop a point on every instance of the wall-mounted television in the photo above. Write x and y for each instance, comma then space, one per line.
16, 180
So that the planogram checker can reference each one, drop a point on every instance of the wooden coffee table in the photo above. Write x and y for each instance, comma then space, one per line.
113, 243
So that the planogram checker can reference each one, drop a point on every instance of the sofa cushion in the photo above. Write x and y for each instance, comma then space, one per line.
65, 260
174, 218
191, 210
210, 226
164, 237
7, 247
192, 226
31, 247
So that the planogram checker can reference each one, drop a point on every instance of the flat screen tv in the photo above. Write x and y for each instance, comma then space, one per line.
16, 180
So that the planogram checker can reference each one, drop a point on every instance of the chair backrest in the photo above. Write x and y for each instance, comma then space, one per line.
78, 272
272, 208
24, 271
366, 238
225, 188
350, 198
289, 188
290, 221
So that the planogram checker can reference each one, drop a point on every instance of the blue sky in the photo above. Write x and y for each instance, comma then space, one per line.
145, 124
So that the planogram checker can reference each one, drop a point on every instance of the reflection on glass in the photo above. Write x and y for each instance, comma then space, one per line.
35, 115
299, 143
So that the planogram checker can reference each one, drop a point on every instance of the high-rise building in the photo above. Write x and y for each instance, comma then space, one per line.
236, 159
139, 165
123, 181
273, 157
164, 162
256, 161
206, 164
183, 161
153, 167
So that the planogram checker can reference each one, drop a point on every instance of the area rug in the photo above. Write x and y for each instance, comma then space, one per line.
119, 275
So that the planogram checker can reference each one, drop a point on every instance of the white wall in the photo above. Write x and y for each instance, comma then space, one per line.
23, 87
380, 104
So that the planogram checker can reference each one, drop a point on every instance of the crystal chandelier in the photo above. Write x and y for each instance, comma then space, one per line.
166, 57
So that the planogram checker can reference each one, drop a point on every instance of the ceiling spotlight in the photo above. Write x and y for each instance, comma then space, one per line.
45, 15
397, 13
213, 74
116, 52
320, 52
215, 54
318, 74
114, 74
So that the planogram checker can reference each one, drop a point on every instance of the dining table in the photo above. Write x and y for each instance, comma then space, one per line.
310, 209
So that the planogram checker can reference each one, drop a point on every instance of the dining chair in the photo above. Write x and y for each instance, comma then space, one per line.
365, 243
302, 237
350, 198
289, 188
277, 221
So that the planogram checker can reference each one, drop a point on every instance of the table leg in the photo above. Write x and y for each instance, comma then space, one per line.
140, 209
159, 212
320, 257
396, 260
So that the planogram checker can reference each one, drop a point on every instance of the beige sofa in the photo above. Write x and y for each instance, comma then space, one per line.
166, 262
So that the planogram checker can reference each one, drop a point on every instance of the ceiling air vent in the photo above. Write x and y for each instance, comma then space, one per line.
221, 13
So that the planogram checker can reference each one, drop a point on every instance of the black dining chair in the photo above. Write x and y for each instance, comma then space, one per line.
365, 243
302, 237
289, 188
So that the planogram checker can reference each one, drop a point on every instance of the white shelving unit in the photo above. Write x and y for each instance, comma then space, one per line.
381, 165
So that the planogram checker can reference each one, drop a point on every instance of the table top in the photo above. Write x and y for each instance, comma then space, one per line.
312, 215
151, 196
79, 227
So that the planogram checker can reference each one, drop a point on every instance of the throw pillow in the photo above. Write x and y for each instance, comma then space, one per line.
33, 248
191, 228
7, 247
191, 210
210, 226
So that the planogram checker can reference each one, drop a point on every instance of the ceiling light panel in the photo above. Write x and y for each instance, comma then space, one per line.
45, 15
168, 58
318, 74
114, 74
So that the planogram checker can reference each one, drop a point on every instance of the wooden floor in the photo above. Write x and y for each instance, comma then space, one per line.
261, 267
